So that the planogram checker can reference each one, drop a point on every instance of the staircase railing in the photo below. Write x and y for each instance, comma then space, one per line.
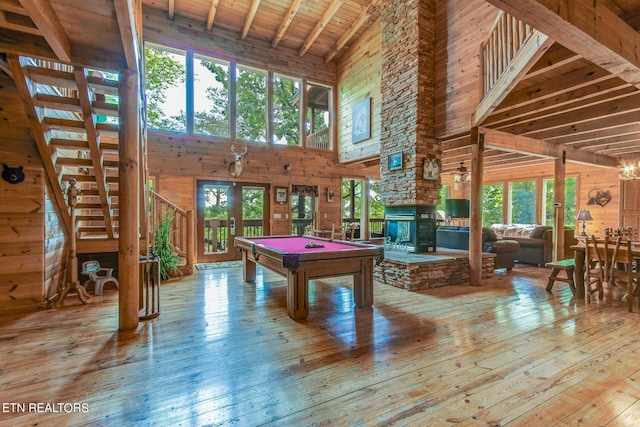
505, 39
182, 227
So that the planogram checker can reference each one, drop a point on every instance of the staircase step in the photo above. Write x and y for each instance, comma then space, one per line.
64, 124
71, 161
49, 77
92, 229
79, 178
71, 144
97, 206
58, 102
105, 109
90, 218
108, 129
101, 85
94, 192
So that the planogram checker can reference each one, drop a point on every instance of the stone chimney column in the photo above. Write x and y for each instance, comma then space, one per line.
407, 107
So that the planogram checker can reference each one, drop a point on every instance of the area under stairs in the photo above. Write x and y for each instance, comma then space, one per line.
73, 114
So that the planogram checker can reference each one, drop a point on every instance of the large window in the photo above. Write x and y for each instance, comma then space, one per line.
492, 203
211, 96
191, 93
251, 104
166, 89
522, 202
570, 200
286, 110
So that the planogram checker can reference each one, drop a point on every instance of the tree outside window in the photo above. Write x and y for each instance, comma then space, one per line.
570, 201
165, 88
492, 203
522, 207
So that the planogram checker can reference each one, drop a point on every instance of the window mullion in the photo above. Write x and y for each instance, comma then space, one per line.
232, 99
270, 125
190, 94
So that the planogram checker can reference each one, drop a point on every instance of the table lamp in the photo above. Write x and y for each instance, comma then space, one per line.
584, 215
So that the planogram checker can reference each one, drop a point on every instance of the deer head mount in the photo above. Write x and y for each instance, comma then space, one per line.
235, 167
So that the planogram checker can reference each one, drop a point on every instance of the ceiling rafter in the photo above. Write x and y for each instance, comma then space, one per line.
249, 19
291, 13
322, 23
342, 41
45, 18
172, 9
211, 16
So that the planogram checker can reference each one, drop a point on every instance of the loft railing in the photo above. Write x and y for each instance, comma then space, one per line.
505, 39
182, 235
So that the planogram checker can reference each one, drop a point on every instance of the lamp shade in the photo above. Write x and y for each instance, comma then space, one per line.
584, 215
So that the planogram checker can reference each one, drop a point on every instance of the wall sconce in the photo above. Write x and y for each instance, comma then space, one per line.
287, 167
627, 172
584, 215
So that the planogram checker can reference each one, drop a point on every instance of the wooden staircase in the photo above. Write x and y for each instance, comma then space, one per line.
73, 114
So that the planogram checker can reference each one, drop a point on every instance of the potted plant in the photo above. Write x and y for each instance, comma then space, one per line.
167, 257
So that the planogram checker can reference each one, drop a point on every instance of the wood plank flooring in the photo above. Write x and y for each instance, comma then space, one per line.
224, 352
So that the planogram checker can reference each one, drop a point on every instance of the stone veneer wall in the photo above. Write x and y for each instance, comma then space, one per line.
407, 106
432, 274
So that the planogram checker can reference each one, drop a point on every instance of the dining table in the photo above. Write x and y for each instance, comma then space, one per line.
579, 255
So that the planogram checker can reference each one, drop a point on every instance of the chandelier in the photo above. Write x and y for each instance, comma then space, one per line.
461, 174
628, 172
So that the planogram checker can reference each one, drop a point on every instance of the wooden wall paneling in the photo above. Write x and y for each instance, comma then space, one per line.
630, 204
461, 25
359, 73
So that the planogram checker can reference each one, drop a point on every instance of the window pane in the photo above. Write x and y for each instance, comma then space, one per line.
251, 105
492, 202
376, 210
303, 210
286, 110
211, 96
317, 117
570, 200
352, 201
166, 90
522, 208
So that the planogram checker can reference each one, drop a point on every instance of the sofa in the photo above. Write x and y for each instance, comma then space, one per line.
536, 241
454, 237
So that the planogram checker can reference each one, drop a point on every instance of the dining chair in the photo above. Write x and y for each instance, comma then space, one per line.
623, 271
596, 268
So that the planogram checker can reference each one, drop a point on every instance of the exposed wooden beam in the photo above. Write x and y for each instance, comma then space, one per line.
588, 28
524, 145
253, 8
17, 22
172, 9
19, 43
531, 51
598, 124
127, 18
342, 41
211, 16
322, 23
293, 9
47, 21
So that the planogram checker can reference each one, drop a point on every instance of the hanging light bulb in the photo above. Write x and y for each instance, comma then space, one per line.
461, 174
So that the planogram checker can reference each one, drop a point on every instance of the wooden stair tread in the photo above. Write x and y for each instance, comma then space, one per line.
57, 102
47, 76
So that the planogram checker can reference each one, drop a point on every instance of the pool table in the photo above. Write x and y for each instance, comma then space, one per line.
288, 256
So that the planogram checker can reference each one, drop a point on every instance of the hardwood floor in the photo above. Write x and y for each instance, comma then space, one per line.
224, 352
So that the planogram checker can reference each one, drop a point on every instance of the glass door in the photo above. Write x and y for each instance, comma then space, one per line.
226, 210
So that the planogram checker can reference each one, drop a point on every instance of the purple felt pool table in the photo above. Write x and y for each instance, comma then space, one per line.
288, 256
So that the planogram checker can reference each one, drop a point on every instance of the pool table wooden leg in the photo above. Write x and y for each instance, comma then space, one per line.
363, 284
248, 268
297, 294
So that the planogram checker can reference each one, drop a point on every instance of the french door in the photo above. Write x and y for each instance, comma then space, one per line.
227, 210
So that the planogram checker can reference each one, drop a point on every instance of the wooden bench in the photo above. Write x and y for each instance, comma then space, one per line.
566, 265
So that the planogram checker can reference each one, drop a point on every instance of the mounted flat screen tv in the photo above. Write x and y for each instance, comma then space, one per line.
457, 208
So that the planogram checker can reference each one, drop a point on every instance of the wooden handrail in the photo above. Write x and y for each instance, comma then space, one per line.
497, 51
182, 236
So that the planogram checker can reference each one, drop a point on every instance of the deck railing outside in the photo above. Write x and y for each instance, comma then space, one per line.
319, 140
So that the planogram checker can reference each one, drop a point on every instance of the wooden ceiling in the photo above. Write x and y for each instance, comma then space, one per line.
324, 28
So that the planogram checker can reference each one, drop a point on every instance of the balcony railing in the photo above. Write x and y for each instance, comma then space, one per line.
506, 38
319, 140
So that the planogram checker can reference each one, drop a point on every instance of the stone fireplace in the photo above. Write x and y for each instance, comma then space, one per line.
411, 226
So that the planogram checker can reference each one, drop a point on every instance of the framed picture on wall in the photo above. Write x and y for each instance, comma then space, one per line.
395, 161
431, 169
361, 121
281, 195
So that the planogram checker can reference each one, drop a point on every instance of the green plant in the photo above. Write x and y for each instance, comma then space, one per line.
168, 258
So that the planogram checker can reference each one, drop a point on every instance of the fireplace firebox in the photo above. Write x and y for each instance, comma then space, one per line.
411, 226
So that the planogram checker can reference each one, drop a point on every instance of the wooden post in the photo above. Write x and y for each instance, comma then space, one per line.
191, 240
558, 210
475, 229
129, 186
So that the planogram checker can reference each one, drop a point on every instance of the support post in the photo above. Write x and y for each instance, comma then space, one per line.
475, 229
558, 210
129, 186
191, 241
